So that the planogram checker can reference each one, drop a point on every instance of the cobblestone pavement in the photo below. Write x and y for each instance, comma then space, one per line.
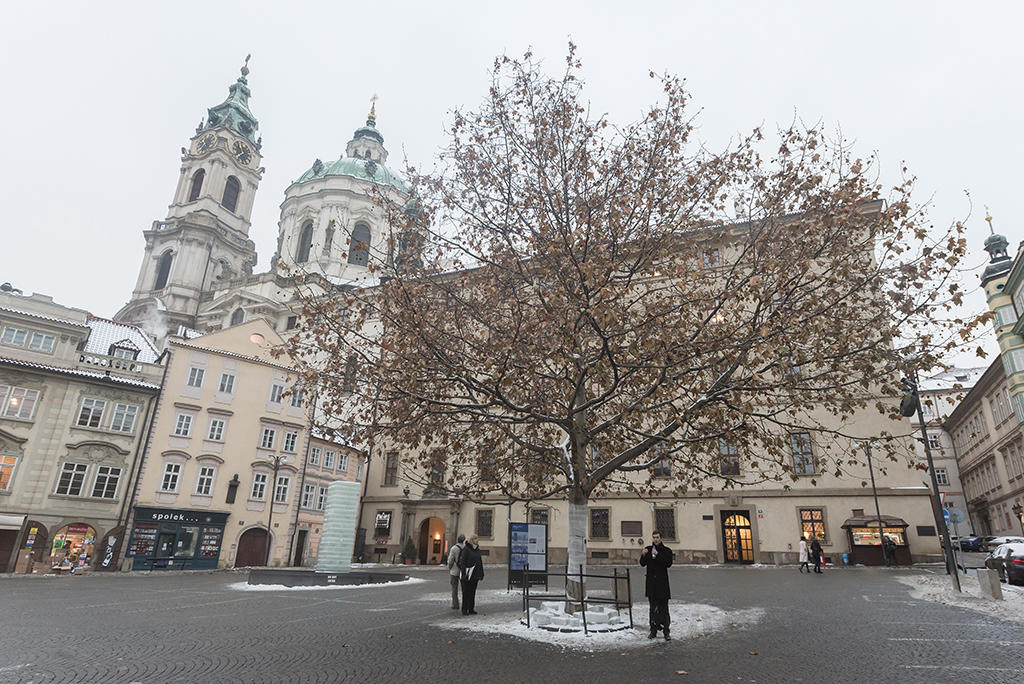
844, 626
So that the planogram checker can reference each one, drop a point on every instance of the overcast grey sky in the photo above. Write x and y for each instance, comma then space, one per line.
100, 97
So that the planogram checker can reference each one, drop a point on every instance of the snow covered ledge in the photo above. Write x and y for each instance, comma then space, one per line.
551, 615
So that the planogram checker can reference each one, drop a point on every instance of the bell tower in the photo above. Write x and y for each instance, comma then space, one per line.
205, 237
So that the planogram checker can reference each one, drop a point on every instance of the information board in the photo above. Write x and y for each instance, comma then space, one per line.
527, 547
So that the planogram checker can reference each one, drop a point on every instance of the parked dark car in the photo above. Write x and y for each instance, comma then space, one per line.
1008, 560
970, 544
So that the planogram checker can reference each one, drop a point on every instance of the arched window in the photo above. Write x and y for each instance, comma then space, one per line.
231, 188
359, 249
197, 185
238, 316
163, 270
305, 243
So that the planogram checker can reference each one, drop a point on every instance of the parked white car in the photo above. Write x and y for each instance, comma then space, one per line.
991, 544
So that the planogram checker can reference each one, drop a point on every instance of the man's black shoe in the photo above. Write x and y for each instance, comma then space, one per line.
667, 637
653, 634
472, 612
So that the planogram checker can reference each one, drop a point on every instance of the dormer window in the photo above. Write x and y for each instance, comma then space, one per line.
197, 185
123, 353
231, 190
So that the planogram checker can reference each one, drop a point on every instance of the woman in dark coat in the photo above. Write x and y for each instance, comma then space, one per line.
471, 565
657, 558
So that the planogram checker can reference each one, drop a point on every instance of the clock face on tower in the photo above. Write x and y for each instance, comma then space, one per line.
242, 152
206, 143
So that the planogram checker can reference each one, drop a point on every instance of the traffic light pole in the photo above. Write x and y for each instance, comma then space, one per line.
940, 520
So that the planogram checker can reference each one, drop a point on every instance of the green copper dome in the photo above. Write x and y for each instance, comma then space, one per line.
362, 169
233, 113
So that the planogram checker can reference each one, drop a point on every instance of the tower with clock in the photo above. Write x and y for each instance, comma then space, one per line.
204, 240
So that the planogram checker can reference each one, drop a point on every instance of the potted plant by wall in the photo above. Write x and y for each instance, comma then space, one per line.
409, 551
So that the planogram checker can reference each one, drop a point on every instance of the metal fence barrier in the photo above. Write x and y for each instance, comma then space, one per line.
620, 584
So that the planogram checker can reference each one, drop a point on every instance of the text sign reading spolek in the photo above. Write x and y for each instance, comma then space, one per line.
528, 546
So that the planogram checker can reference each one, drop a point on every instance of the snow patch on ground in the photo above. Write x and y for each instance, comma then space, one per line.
689, 621
939, 589
245, 586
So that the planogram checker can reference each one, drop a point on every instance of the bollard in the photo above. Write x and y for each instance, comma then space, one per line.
988, 580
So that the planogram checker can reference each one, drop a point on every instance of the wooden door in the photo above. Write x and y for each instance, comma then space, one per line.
737, 538
252, 548
300, 548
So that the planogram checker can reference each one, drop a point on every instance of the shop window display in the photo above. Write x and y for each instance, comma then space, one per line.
73, 547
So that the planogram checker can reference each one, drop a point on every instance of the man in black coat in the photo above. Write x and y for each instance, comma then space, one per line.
471, 566
816, 554
657, 558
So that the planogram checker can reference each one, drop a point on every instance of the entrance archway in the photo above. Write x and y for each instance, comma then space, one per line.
252, 548
432, 541
737, 538
75, 542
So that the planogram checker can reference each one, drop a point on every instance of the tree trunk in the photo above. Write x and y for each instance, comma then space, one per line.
578, 510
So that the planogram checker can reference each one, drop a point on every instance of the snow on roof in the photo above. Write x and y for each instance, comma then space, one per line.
954, 378
79, 373
54, 319
107, 333
188, 333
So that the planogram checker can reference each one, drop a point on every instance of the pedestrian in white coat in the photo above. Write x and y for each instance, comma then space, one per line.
803, 556
453, 569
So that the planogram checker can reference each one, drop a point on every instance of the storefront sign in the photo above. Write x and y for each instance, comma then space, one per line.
169, 515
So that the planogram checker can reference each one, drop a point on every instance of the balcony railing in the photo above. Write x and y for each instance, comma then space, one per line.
131, 368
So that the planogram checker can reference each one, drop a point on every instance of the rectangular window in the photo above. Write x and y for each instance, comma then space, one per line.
105, 485
382, 524
18, 402
729, 458
124, 417
391, 468
933, 442
227, 383
343, 463
172, 473
14, 337
123, 353
599, 526
259, 486
275, 393
284, 483
329, 459
314, 456
321, 498
711, 257
663, 468
204, 483
7, 464
183, 425
195, 376
91, 413
665, 522
268, 437
803, 456
72, 477
308, 494
42, 342
941, 476
1009, 404
1017, 356
216, 431
485, 522
1002, 406
291, 440
812, 523
298, 398
539, 516
359, 470
1007, 315
291, 322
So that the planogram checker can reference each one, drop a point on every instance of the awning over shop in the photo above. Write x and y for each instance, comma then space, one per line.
11, 522
872, 521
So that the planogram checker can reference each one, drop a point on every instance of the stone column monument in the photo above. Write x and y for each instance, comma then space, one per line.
339, 533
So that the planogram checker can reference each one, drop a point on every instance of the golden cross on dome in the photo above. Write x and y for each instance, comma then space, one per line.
245, 67
373, 107
988, 218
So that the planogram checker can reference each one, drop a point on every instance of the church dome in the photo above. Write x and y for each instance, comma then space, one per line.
361, 169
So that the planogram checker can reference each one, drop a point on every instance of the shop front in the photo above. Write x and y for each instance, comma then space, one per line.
73, 547
170, 539
866, 541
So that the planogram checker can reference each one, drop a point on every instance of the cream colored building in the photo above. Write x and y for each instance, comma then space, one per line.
76, 396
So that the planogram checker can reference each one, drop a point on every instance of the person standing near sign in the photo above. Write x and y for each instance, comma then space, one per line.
453, 569
471, 564
657, 558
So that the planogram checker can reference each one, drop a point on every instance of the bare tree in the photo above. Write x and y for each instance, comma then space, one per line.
593, 302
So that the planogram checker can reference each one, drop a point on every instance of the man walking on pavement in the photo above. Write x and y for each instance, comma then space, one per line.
453, 569
816, 553
657, 558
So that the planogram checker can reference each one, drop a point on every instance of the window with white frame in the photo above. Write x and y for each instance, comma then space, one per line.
18, 402
42, 342
227, 383
275, 393
268, 437
321, 498
343, 462
124, 417
297, 398
291, 441
329, 459
308, 495
941, 476
91, 413
8, 463
195, 376
711, 257
359, 470
171, 478
284, 483
259, 486
314, 456
123, 353
1009, 404
105, 484
183, 425
1006, 315
204, 482
14, 337
933, 442
72, 478
216, 431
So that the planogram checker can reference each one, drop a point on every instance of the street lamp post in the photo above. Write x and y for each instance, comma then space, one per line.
277, 460
1018, 510
878, 511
